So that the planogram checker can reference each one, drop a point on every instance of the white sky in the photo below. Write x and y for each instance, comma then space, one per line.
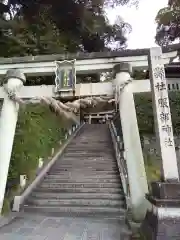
142, 21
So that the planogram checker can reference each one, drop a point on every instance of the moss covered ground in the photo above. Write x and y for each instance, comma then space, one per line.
153, 168
38, 131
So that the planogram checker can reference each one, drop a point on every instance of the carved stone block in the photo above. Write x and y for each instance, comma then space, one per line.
166, 190
154, 228
163, 221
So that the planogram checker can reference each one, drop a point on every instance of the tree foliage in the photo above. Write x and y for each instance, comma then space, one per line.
29, 27
168, 23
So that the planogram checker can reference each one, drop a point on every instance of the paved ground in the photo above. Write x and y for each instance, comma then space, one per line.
35, 227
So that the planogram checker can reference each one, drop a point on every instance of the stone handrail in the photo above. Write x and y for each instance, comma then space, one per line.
121, 161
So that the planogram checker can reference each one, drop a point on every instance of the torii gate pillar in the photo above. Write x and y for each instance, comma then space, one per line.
133, 151
8, 120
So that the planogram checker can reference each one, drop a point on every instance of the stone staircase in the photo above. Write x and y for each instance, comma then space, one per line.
84, 181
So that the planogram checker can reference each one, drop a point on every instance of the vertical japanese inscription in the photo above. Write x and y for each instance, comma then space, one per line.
163, 105
162, 113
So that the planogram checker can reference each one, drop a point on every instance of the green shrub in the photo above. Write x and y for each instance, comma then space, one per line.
145, 116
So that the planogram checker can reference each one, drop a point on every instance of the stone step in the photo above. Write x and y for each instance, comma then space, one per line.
91, 141
86, 171
91, 144
90, 153
91, 136
80, 146
99, 140
78, 185
103, 139
81, 176
86, 161
45, 195
82, 164
81, 181
75, 202
105, 216
74, 162
84, 148
87, 174
88, 156
80, 190
88, 211
93, 165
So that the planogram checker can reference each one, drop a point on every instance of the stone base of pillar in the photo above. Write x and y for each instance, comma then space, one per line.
163, 221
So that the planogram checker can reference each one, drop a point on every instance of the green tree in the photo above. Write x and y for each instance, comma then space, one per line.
168, 23
51, 27
46, 27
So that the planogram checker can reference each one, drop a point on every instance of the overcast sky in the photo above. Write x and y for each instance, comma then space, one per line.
142, 21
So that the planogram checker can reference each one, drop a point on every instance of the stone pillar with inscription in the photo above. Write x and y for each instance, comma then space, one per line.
163, 221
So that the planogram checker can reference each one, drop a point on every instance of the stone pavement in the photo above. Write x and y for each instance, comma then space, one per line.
36, 227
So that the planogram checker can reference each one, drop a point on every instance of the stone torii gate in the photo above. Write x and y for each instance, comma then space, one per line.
122, 64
